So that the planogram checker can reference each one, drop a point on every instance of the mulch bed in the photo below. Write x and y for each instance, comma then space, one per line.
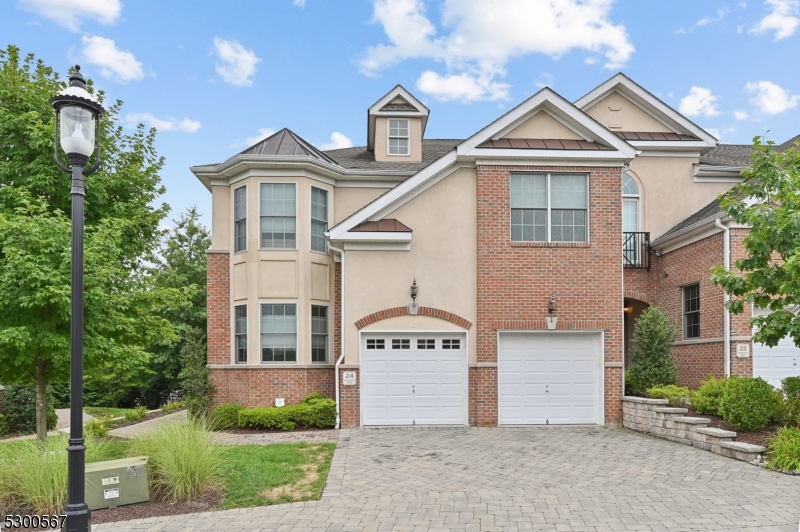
148, 417
756, 438
209, 501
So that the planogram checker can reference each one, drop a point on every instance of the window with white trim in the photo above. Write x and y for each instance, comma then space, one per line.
319, 219
240, 328
691, 311
240, 219
398, 136
279, 332
549, 207
319, 333
426, 343
278, 216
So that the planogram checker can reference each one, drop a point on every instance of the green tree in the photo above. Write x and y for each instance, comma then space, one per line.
122, 230
769, 274
651, 352
195, 375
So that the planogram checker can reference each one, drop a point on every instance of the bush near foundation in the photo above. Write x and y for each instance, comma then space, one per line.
20, 407
225, 417
748, 403
676, 395
791, 389
651, 352
706, 399
313, 411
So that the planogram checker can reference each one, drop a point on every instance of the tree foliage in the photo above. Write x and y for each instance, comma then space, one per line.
651, 352
122, 232
769, 275
195, 375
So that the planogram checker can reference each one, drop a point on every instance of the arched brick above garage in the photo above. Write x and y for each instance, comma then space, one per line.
422, 311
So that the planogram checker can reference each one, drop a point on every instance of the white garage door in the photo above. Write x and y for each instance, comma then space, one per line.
773, 364
413, 379
549, 378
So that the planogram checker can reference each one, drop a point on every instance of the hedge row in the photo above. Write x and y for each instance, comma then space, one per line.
314, 411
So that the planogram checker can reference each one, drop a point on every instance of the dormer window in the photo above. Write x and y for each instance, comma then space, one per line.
398, 136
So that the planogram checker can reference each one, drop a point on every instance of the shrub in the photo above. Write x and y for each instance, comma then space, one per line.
784, 449
313, 411
183, 460
136, 414
748, 403
3, 425
173, 406
194, 376
651, 351
225, 417
707, 398
19, 403
97, 428
677, 395
791, 388
633, 385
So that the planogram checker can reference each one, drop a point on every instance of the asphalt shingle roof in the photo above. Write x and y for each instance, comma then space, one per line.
737, 155
359, 158
711, 210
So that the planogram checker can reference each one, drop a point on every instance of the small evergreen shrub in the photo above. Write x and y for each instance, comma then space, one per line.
707, 398
3, 425
791, 389
784, 449
780, 411
651, 351
677, 395
19, 403
195, 376
225, 417
313, 411
748, 403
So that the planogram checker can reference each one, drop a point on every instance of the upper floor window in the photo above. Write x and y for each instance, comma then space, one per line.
549, 207
319, 219
630, 204
240, 316
319, 333
240, 219
278, 216
398, 136
691, 311
279, 333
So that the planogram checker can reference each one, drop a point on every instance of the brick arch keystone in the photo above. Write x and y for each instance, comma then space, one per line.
422, 311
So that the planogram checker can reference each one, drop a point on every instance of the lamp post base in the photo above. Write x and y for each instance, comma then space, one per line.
79, 518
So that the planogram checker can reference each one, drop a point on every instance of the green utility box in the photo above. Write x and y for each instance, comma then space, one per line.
117, 483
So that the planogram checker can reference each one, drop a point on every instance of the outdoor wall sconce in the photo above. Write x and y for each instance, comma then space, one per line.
551, 318
413, 308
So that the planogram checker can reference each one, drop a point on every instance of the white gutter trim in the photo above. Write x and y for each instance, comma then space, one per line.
341, 357
726, 296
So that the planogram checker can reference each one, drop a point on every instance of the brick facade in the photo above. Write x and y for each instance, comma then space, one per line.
259, 386
219, 308
350, 400
483, 396
516, 280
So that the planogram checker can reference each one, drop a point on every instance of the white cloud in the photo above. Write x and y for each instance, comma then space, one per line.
338, 141
481, 37
299, 3
463, 87
168, 124
699, 101
783, 19
715, 132
263, 132
545, 80
740, 115
238, 65
113, 62
721, 13
70, 13
770, 98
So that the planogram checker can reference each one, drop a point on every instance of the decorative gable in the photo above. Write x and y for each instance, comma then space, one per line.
395, 126
542, 125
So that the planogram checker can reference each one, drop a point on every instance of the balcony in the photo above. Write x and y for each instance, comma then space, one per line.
636, 250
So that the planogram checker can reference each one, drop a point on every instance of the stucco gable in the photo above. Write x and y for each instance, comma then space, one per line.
542, 125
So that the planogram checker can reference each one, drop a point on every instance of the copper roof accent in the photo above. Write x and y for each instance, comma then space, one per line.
544, 144
387, 225
398, 107
652, 135
286, 143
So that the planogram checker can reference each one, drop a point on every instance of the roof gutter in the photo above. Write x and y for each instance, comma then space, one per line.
726, 296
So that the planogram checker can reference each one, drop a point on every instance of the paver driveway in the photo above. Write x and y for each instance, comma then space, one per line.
544, 478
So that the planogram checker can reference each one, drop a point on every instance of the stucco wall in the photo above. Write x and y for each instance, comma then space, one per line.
632, 116
221, 218
442, 259
382, 141
349, 200
542, 126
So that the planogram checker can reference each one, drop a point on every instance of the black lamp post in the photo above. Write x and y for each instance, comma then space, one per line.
77, 114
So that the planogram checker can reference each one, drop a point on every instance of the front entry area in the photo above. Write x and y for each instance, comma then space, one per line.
413, 379
550, 378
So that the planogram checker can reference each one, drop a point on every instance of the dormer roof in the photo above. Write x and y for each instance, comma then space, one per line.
398, 102
286, 143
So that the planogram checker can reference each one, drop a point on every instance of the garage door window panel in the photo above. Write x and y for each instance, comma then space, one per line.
279, 333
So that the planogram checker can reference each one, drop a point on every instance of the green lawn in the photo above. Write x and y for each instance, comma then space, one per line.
101, 412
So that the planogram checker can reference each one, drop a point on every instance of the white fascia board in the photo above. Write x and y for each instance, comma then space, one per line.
700, 231
668, 145
406, 187
621, 81
619, 163
367, 184
377, 246
399, 90
374, 236
535, 155
558, 104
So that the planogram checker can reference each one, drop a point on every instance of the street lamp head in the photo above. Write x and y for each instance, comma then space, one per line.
77, 113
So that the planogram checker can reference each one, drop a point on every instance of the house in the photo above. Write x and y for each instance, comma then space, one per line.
484, 281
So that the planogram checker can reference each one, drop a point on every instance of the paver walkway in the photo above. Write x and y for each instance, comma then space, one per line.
146, 426
543, 478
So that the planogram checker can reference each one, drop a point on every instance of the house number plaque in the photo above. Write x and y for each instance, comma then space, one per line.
349, 378
743, 350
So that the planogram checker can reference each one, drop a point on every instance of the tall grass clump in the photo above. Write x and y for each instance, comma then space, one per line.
35, 479
784, 450
184, 462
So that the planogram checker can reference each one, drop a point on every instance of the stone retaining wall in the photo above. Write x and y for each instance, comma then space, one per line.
656, 417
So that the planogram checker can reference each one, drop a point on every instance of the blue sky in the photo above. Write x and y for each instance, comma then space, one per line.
214, 76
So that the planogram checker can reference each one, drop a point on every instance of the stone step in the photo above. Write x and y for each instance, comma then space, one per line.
692, 420
746, 452
670, 410
644, 400
715, 433
743, 447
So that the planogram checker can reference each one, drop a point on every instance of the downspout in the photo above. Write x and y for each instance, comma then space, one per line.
340, 251
727, 335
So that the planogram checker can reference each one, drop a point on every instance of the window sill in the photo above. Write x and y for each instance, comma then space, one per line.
551, 244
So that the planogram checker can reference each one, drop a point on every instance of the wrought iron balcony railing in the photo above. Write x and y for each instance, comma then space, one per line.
636, 250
